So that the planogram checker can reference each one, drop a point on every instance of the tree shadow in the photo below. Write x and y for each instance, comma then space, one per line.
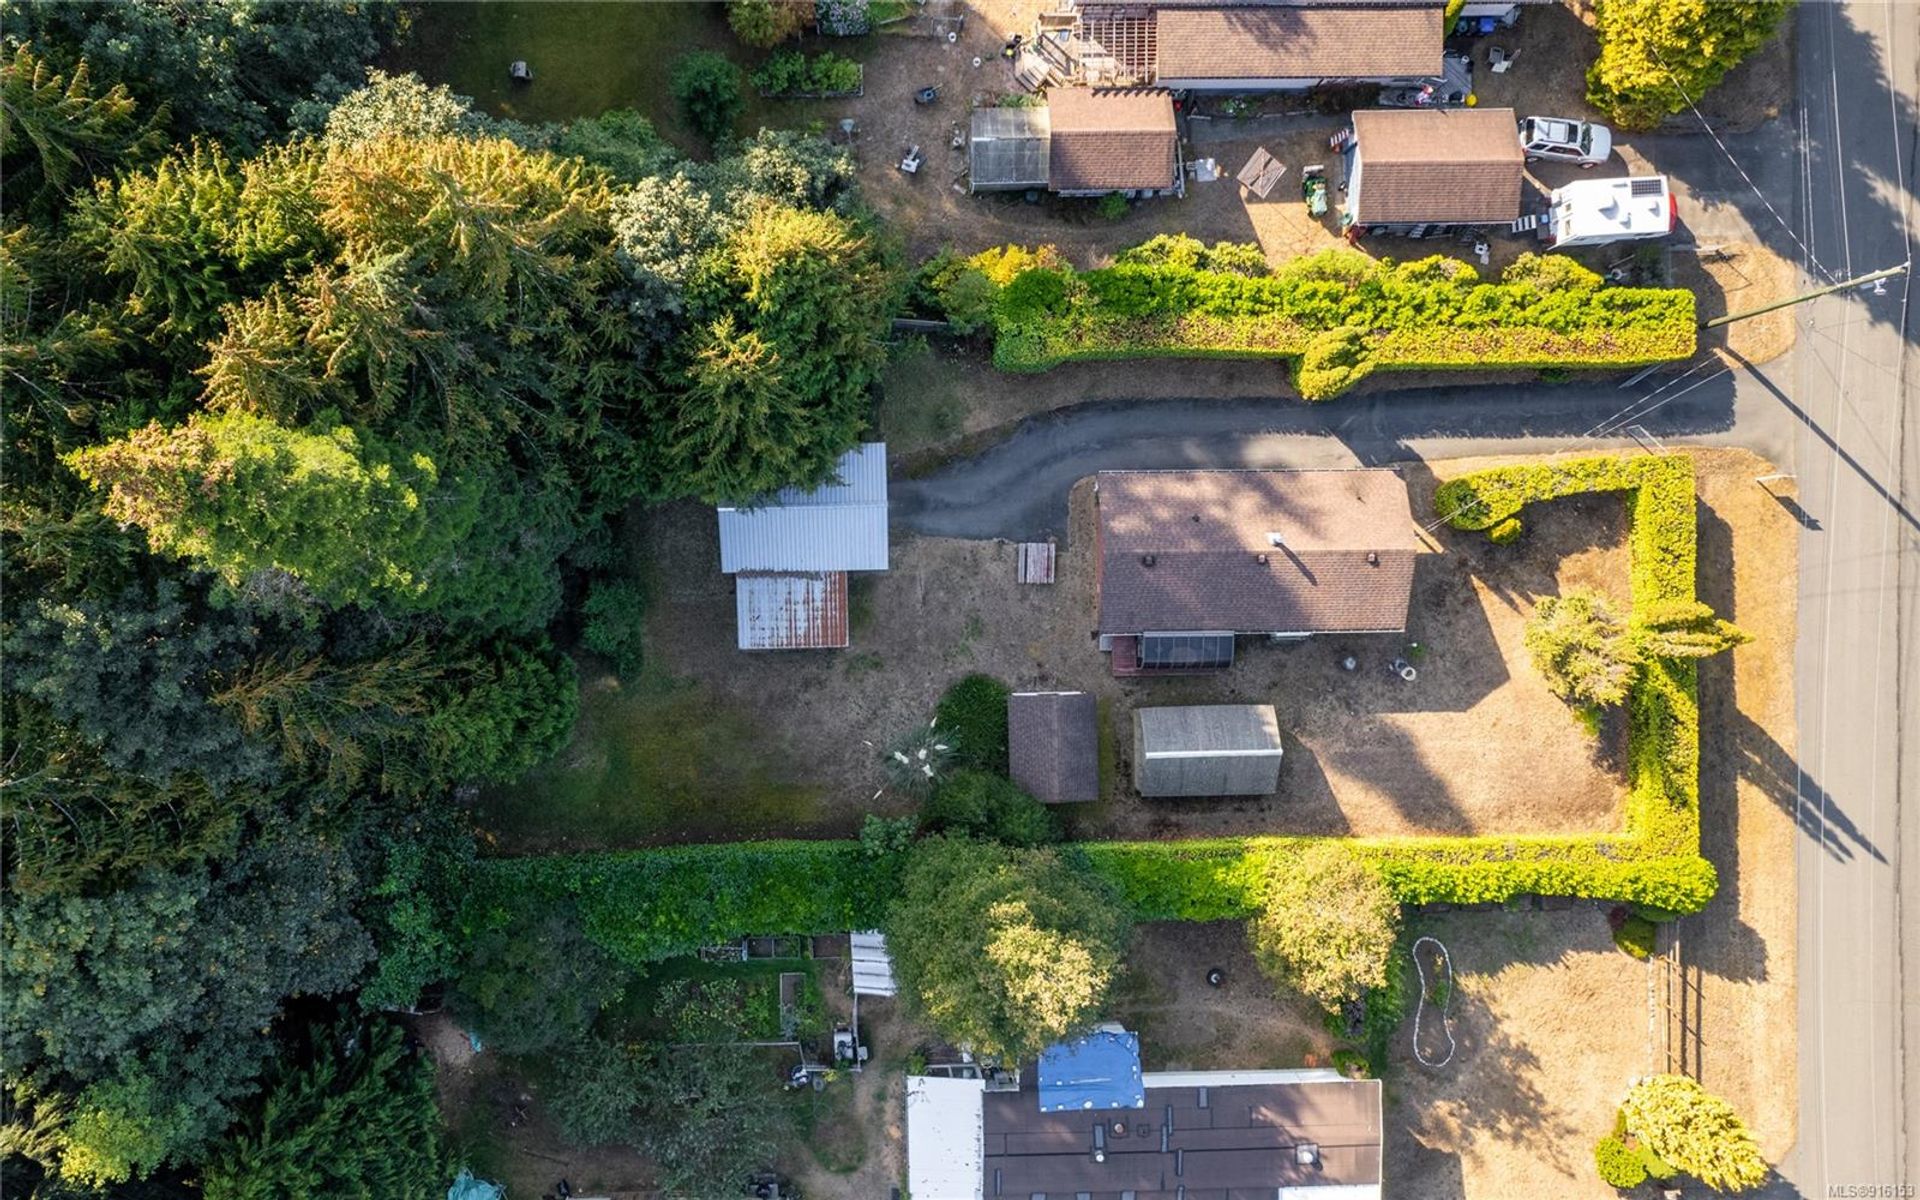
1854, 128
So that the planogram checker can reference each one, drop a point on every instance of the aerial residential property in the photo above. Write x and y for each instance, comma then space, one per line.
959, 599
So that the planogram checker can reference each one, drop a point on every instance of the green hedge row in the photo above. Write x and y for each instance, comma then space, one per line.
1338, 316
646, 905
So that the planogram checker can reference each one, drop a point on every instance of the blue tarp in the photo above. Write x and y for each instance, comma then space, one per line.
466, 1187
1100, 1070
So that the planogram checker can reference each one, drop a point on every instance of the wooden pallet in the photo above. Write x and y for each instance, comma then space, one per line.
1035, 562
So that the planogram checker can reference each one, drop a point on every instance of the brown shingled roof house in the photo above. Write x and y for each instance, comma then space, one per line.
1053, 746
1185, 560
1251, 48
1112, 140
1435, 166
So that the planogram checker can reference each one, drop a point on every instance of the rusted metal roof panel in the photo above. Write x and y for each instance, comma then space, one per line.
791, 610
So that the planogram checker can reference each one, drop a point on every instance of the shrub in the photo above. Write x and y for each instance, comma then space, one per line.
1694, 1130
919, 759
594, 1106
1112, 206
790, 73
967, 301
1169, 297
1619, 1165
1002, 264
1582, 647
1333, 362
616, 613
976, 804
1352, 1063
1506, 532
765, 23
1326, 925
534, 982
1685, 629
1632, 932
974, 711
706, 86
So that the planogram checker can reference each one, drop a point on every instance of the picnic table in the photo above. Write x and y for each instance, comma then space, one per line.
1261, 173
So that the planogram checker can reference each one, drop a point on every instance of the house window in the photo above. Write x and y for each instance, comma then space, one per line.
1203, 651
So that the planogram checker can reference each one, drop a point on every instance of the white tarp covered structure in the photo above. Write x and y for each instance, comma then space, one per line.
945, 1151
872, 966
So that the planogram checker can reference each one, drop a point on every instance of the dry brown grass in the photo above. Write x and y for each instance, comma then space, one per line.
1552, 1020
1477, 745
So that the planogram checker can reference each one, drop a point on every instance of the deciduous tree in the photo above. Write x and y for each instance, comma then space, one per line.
1001, 949
1655, 55
1694, 1130
1326, 925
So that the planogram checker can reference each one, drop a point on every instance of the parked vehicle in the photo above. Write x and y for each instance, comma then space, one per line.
1597, 212
1562, 139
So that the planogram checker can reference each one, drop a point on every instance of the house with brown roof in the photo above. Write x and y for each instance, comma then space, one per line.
1295, 46
1099, 1127
1112, 140
1240, 45
1083, 142
1053, 746
1185, 561
1434, 167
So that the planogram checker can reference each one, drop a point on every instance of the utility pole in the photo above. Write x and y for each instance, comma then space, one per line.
1842, 286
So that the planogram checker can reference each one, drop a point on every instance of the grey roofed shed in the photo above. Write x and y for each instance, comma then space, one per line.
1009, 149
839, 526
1206, 750
1053, 745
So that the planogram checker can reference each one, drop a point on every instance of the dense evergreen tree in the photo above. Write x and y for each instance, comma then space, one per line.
350, 1115
1656, 55
148, 1005
230, 69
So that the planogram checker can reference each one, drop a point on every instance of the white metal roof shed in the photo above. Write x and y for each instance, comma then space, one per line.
945, 1155
872, 965
839, 526
791, 610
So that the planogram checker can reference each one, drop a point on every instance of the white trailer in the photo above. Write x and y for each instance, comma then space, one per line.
1594, 212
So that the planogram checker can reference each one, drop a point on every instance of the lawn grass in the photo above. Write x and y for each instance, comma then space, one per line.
652, 761
923, 400
586, 58
827, 1125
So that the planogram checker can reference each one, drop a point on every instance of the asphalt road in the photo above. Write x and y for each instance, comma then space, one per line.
1858, 662
1835, 190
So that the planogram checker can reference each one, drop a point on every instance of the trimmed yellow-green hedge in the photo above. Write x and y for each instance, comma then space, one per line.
646, 905
1338, 316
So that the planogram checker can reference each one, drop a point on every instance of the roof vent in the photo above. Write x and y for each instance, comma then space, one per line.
1261, 559
1196, 518
1274, 538
1307, 1154
1373, 560
1146, 560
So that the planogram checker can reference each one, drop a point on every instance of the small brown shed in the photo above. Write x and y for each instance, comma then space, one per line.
1053, 745
1112, 140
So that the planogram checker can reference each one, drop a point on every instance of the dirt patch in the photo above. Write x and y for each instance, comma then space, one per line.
1735, 277
1186, 1023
